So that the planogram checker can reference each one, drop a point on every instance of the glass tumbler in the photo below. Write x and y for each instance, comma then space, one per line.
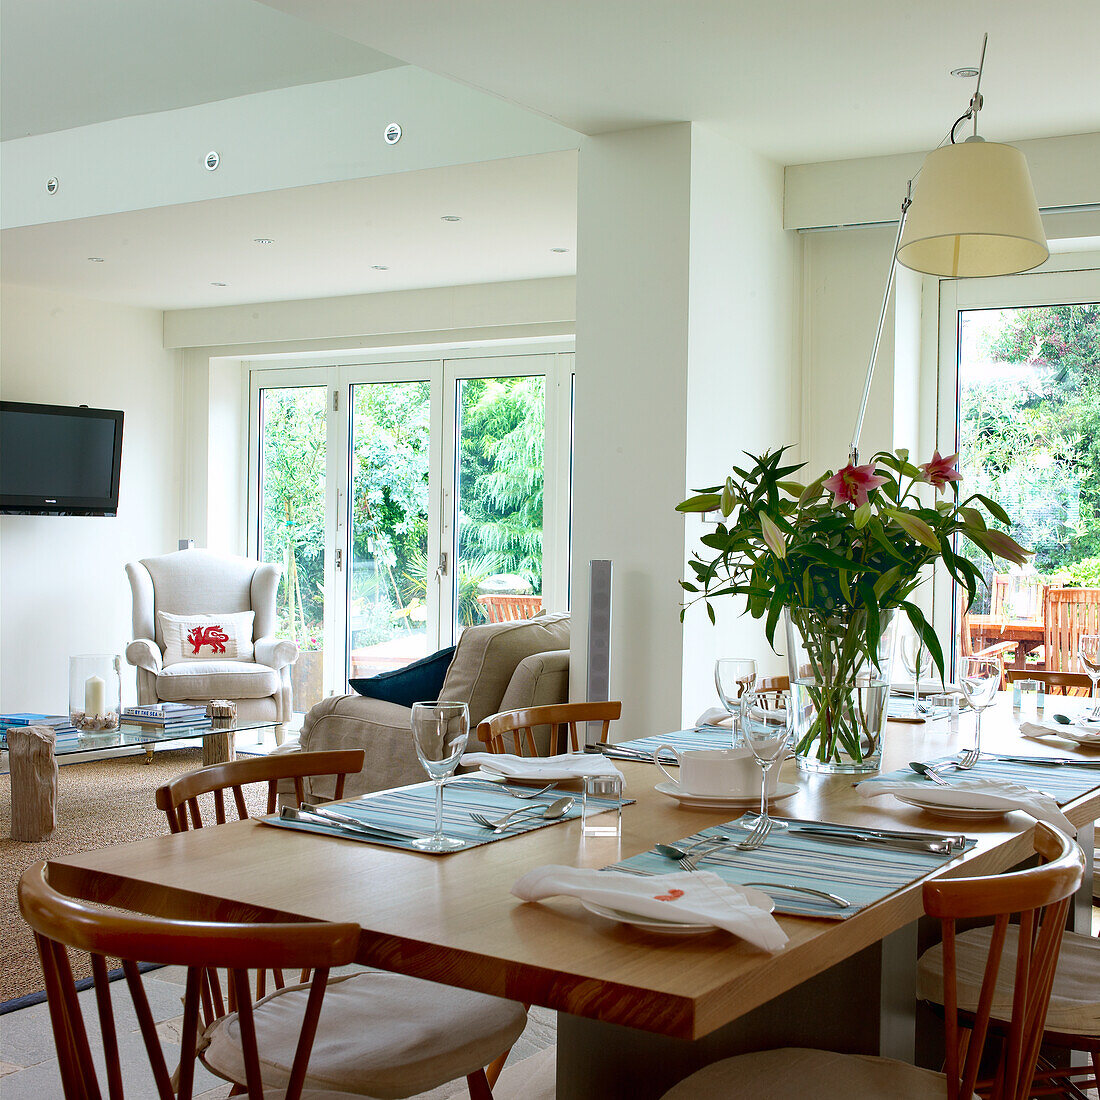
597, 818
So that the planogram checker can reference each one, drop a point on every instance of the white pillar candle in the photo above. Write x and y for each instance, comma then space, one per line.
95, 695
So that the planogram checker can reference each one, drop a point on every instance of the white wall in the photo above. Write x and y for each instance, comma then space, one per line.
62, 586
743, 382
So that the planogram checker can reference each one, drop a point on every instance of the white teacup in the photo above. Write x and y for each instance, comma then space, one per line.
732, 771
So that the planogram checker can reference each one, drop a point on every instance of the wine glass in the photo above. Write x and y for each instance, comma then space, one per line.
766, 726
733, 677
979, 679
440, 731
917, 662
1088, 653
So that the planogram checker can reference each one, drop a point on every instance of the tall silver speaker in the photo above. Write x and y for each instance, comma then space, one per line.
598, 686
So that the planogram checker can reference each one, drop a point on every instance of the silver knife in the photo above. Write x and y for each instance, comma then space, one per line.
939, 847
954, 840
348, 824
1048, 762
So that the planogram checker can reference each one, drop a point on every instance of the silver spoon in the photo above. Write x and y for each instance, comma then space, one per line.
674, 851
555, 810
928, 772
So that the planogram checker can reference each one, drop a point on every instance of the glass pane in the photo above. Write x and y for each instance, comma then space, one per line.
499, 500
389, 576
1029, 437
292, 523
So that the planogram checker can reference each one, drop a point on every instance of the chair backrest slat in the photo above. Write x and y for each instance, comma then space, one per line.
1055, 683
1068, 613
522, 723
1041, 897
61, 923
183, 792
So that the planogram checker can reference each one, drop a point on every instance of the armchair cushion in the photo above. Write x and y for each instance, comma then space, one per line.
418, 681
276, 652
144, 653
216, 680
225, 637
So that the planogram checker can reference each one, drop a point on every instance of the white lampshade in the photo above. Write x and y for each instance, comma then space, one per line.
974, 213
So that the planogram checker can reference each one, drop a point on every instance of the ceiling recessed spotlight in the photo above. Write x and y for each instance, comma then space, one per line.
559, 249
967, 72
217, 284
263, 240
95, 259
379, 267
450, 218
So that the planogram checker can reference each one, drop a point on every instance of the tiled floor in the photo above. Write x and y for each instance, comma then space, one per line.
28, 1065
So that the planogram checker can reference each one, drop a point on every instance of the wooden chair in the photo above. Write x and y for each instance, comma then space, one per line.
521, 724
1041, 896
506, 609
479, 1027
1055, 683
1068, 613
62, 923
179, 799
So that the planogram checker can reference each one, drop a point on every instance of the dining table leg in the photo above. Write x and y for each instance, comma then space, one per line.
601, 1060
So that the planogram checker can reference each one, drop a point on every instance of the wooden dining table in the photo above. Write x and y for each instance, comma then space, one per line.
636, 1012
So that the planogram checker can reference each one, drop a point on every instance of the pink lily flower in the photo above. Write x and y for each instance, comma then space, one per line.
941, 471
852, 484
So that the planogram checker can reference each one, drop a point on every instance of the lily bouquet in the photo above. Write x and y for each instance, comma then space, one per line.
840, 555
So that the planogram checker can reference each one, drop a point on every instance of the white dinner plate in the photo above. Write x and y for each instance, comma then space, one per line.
723, 801
954, 803
674, 927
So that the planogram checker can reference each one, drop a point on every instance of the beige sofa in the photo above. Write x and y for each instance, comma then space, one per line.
497, 666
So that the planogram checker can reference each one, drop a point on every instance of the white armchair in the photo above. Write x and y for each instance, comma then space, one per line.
197, 582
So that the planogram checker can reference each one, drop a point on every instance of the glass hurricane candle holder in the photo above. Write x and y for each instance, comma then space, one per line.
95, 691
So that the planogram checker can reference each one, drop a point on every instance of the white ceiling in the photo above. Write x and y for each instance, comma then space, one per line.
68, 63
799, 80
326, 239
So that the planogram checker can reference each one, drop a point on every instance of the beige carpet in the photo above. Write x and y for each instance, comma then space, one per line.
99, 803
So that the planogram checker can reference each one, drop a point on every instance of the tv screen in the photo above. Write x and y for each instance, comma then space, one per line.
56, 460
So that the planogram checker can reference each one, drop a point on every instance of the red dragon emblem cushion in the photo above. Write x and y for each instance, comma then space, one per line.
207, 637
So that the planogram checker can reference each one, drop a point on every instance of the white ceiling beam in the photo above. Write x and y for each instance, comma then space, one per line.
869, 190
290, 137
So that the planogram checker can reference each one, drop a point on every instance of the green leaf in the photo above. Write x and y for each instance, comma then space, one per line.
915, 528
813, 490
928, 635
792, 488
994, 509
862, 515
973, 518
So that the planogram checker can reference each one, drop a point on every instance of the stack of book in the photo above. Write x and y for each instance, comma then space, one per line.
167, 716
62, 727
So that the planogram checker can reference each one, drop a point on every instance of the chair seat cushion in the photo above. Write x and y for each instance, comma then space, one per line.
216, 680
380, 1034
1074, 1001
404, 686
822, 1074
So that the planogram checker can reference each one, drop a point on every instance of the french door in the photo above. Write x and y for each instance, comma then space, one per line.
1019, 378
404, 498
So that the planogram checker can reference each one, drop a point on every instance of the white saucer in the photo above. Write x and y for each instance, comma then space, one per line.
723, 801
943, 810
525, 780
674, 927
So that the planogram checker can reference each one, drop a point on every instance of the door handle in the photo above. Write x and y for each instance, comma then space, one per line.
339, 560
442, 568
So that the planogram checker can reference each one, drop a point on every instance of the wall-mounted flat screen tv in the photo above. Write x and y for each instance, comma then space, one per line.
58, 460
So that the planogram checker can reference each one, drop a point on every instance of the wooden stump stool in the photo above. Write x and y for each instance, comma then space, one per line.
33, 782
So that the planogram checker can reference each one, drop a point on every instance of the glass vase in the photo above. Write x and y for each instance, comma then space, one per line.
95, 691
839, 688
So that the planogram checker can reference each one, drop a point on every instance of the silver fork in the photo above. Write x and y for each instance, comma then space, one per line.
501, 788
967, 760
700, 850
756, 838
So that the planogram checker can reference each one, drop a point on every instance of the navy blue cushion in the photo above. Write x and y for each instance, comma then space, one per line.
419, 682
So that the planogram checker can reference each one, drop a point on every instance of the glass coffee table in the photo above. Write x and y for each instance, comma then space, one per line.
34, 773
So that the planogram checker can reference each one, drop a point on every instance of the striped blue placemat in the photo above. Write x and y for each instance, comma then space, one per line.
413, 809
862, 874
1062, 783
702, 737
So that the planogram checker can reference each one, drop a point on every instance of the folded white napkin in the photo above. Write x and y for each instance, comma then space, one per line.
700, 896
715, 716
1039, 730
1041, 806
567, 765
